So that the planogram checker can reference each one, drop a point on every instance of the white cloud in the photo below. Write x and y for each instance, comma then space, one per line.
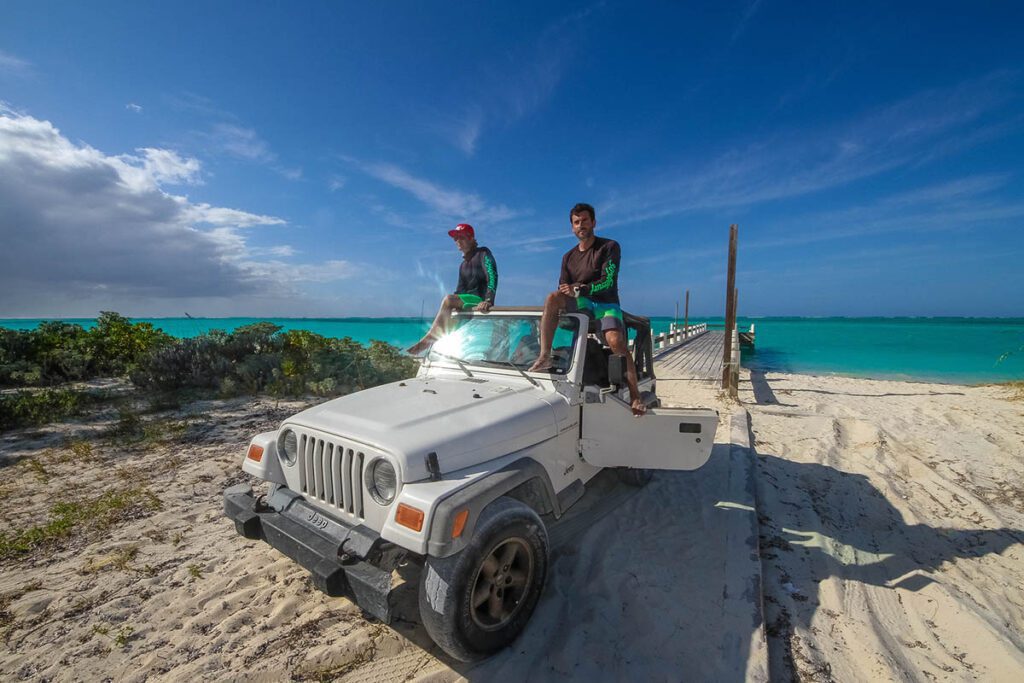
163, 166
223, 217
15, 66
137, 108
241, 142
518, 82
467, 135
463, 128
245, 143
198, 104
83, 229
964, 204
227, 134
336, 182
452, 204
901, 135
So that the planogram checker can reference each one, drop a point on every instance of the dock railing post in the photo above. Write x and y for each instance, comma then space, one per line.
730, 313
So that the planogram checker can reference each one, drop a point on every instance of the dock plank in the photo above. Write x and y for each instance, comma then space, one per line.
698, 359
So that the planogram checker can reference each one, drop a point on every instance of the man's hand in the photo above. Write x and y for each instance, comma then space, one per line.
483, 306
569, 290
638, 408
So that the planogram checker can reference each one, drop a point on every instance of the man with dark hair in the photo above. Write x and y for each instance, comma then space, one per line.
589, 283
478, 283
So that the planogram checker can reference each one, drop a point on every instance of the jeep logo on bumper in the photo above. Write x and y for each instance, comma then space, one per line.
316, 519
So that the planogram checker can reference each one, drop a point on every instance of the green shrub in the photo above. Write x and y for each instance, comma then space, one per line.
36, 408
62, 351
118, 344
390, 363
253, 358
197, 362
260, 357
16, 358
58, 352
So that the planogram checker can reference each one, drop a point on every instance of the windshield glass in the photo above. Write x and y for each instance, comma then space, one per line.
498, 341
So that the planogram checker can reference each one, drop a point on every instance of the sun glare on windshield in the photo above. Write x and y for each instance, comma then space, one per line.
491, 340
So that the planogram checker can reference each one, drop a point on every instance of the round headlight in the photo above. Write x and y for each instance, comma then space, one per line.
288, 446
383, 482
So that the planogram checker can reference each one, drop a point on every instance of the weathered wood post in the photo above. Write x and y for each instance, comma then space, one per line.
730, 311
686, 315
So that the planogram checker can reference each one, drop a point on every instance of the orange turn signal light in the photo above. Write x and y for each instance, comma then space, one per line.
460, 523
409, 517
255, 453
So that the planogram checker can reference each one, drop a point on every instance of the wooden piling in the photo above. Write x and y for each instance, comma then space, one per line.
730, 313
686, 314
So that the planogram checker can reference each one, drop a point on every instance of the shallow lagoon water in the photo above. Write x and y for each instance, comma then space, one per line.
954, 350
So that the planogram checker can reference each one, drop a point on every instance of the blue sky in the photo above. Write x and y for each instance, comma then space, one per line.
307, 159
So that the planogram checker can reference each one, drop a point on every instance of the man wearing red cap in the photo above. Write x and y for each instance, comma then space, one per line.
478, 282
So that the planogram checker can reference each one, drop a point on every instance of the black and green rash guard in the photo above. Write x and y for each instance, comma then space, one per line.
478, 274
597, 269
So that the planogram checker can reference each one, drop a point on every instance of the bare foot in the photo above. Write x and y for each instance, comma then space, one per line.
638, 408
542, 364
418, 348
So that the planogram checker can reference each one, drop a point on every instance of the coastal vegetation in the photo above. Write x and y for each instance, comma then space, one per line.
45, 372
99, 512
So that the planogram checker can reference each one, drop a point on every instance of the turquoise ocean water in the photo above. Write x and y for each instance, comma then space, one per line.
956, 350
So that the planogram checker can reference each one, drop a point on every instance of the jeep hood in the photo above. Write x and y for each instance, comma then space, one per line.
465, 421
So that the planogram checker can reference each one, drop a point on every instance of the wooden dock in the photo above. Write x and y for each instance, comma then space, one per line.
698, 359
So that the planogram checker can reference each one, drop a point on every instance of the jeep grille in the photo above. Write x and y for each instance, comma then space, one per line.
331, 472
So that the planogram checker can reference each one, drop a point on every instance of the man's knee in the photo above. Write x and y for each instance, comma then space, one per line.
616, 341
555, 300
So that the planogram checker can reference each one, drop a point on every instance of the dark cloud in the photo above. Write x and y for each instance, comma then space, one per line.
80, 226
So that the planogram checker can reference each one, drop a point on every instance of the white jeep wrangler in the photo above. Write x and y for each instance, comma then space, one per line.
458, 468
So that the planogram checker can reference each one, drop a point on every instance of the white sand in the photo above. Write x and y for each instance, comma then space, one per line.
891, 528
884, 507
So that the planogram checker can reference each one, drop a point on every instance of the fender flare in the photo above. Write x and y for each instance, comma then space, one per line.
482, 493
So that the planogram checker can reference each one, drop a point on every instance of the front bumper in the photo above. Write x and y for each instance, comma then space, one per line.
341, 558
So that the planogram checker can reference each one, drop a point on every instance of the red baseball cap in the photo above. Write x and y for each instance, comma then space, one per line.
462, 230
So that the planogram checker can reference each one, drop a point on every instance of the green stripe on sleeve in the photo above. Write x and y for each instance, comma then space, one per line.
609, 278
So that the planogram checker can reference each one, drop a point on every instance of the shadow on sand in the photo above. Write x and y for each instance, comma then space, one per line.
639, 582
638, 587
817, 523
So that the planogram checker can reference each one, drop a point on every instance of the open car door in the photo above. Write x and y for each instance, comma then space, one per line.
663, 439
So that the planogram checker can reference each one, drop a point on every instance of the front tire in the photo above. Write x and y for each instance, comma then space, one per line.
478, 601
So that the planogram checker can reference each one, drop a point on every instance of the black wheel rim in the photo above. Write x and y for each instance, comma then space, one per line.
502, 584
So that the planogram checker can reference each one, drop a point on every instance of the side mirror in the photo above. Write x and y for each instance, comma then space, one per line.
616, 369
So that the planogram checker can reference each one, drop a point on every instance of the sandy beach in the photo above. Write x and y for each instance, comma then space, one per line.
891, 536
892, 523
